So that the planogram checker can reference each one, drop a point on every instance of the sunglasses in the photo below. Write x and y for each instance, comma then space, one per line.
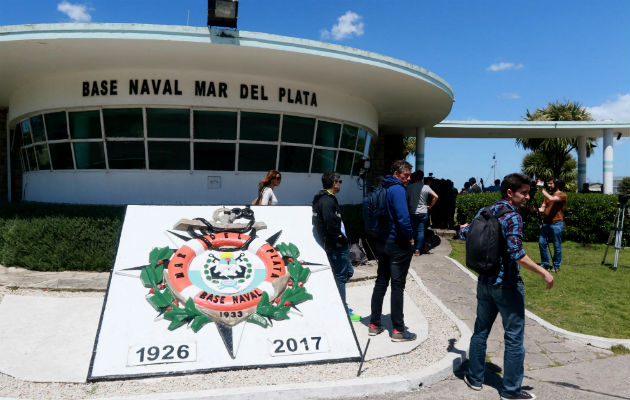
279, 178
339, 180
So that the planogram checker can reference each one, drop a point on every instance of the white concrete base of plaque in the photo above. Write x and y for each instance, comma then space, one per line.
133, 340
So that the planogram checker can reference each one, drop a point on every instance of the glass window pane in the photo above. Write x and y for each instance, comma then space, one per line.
215, 156
89, 155
215, 125
85, 125
30, 153
327, 134
323, 160
169, 155
125, 122
361, 141
349, 137
259, 126
26, 132
294, 159
56, 125
168, 123
24, 154
61, 155
256, 157
37, 126
344, 162
43, 159
297, 129
125, 155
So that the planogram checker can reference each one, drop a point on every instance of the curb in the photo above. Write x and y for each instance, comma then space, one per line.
428, 375
595, 341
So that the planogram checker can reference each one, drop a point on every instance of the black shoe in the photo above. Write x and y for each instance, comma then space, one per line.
522, 396
470, 385
404, 336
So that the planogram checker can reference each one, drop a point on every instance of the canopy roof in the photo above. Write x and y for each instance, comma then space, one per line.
404, 95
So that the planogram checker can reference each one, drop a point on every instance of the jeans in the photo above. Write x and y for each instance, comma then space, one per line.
342, 269
551, 232
393, 264
418, 224
510, 302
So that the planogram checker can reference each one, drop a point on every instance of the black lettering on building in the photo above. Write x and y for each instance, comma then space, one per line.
145, 87
167, 87
133, 86
177, 91
314, 100
223, 89
244, 91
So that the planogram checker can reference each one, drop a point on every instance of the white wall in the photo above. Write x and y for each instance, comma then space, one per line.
173, 187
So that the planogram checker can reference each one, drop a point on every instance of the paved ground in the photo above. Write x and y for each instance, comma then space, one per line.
555, 367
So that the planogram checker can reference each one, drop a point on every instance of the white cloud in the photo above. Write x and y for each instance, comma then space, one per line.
348, 25
615, 110
503, 66
509, 96
76, 12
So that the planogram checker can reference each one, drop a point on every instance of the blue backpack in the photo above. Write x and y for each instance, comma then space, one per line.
375, 215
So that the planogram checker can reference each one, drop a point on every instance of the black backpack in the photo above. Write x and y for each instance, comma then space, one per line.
375, 213
485, 243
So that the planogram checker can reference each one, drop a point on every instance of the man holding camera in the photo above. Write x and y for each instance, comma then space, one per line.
553, 222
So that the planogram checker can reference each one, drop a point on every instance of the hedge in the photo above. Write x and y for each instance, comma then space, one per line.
588, 217
55, 237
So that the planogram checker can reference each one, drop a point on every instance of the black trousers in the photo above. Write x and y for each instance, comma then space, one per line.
393, 265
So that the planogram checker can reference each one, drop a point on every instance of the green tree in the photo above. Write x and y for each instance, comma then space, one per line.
535, 165
556, 151
624, 185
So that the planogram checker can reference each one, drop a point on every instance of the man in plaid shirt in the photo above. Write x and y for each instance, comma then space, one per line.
503, 293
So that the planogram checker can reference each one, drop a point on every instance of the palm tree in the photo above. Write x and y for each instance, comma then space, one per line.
535, 164
556, 151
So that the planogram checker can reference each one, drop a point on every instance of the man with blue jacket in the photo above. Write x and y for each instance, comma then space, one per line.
393, 264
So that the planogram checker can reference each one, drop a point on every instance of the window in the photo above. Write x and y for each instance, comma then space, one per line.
294, 158
85, 125
125, 122
56, 125
61, 155
256, 157
323, 160
32, 162
259, 126
327, 134
361, 141
37, 127
297, 129
126, 155
349, 137
25, 127
169, 155
215, 156
344, 162
89, 155
43, 159
215, 125
168, 123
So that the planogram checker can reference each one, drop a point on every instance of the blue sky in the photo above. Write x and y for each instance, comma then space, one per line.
500, 57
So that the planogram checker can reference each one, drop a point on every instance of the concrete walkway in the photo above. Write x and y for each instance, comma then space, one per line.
555, 366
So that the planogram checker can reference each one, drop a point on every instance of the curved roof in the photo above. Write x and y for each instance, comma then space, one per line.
519, 129
404, 95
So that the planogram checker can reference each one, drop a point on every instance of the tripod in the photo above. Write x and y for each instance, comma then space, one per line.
617, 232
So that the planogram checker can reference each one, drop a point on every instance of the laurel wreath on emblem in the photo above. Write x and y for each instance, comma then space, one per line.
155, 277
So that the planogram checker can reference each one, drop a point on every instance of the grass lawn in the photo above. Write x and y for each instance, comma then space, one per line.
587, 297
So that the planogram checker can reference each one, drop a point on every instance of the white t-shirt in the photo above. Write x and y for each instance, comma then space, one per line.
418, 197
268, 197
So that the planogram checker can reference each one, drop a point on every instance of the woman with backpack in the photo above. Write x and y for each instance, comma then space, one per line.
266, 196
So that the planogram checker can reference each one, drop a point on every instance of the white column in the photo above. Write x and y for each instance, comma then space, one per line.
608, 161
420, 137
581, 162
8, 159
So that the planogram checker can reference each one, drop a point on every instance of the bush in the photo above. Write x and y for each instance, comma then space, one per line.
54, 237
588, 217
